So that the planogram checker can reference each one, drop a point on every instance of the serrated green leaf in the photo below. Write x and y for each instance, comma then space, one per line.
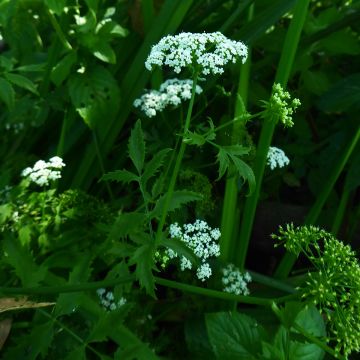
153, 166
223, 159
126, 224
34, 345
21, 260
63, 68
144, 260
193, 138
237, 150
95, 95
234, 336
245, 171
137, 147
121, 176
22, 82
56, 6
6, 212
7, 93
66, 303
179, 198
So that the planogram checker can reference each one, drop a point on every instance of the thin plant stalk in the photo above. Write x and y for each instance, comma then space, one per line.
101, 163
177, 165
229, 220
340, 212
282, 76
288, 260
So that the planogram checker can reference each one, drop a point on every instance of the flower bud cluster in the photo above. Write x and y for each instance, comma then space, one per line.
202, 240
171, 92
208, 53
107, 300
280, 106
43, 172
234, 281
276, 158
334, 287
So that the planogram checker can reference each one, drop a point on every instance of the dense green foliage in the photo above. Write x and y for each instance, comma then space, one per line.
104, 262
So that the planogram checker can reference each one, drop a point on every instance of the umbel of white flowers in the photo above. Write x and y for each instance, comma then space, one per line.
276, 158
207, 53
43, 172
107, 300
234, 281
172, 92
201, 239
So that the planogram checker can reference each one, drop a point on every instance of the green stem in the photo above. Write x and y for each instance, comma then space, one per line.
214, 293
69, 331
313, 339
43, 290
101, 163
68, 117
339, 216
179, 158
229, 222
147, 8
288, 260
282, 76
58, 31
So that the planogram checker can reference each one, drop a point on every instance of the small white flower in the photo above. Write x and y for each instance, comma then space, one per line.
44, 172
171, 92
107, 300
276, 158
234, 281
208, 52
203, 272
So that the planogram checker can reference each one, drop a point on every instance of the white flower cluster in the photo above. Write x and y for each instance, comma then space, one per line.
208, 52
276, 158
202, 240
107, 300
171, 92
43, 172
234, 281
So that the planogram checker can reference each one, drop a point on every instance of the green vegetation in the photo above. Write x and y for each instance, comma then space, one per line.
179, 179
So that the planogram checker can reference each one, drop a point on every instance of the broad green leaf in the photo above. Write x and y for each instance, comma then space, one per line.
341, 42
56, 6
63, 68
153, 166
126, 224
103, 51
144, 260
316, 82
7, 93
121, 176
92, 4
22, 82
77, 354
106, 29
85, 24
6, 212
234, 336
179, 198
224, 162
21, 260
95, 95
344, 95
31, 68
245, 172
197, 339
137, 147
